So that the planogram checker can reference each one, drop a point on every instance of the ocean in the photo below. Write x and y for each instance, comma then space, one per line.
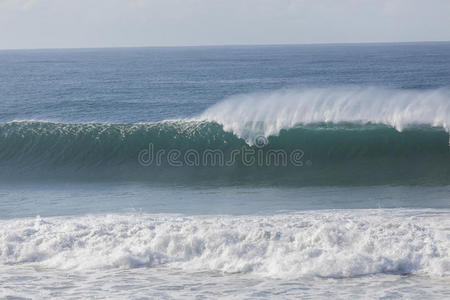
240, 172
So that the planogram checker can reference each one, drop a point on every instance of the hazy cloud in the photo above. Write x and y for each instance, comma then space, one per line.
94, 23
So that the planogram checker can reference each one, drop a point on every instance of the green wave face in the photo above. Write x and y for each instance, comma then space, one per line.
315, 154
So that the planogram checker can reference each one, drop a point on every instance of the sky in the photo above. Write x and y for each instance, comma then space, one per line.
134, 23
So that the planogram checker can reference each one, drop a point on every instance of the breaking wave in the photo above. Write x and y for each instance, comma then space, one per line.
345, 136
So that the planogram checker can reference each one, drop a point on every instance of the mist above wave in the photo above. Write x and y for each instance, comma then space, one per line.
251, 115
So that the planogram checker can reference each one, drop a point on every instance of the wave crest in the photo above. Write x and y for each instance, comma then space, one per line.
267, 114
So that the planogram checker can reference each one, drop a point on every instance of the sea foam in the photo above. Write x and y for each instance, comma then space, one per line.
335, 243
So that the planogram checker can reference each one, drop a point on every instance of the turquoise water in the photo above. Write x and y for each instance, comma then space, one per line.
65, 199
256, 172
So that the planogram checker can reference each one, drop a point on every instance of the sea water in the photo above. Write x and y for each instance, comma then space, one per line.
226, 172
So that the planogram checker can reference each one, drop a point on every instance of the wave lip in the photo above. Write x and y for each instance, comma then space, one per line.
310, 244
267, 114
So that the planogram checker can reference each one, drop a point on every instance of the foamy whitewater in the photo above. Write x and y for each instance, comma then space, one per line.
326, 244
262, 172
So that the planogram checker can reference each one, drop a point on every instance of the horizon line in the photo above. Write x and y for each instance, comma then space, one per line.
224, 45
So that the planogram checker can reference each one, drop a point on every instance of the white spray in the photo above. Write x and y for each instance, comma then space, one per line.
266, 114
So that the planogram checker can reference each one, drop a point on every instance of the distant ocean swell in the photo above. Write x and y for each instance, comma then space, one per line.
328, 136
324, 244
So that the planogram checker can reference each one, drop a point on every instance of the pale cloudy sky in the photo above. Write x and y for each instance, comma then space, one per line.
110, 23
